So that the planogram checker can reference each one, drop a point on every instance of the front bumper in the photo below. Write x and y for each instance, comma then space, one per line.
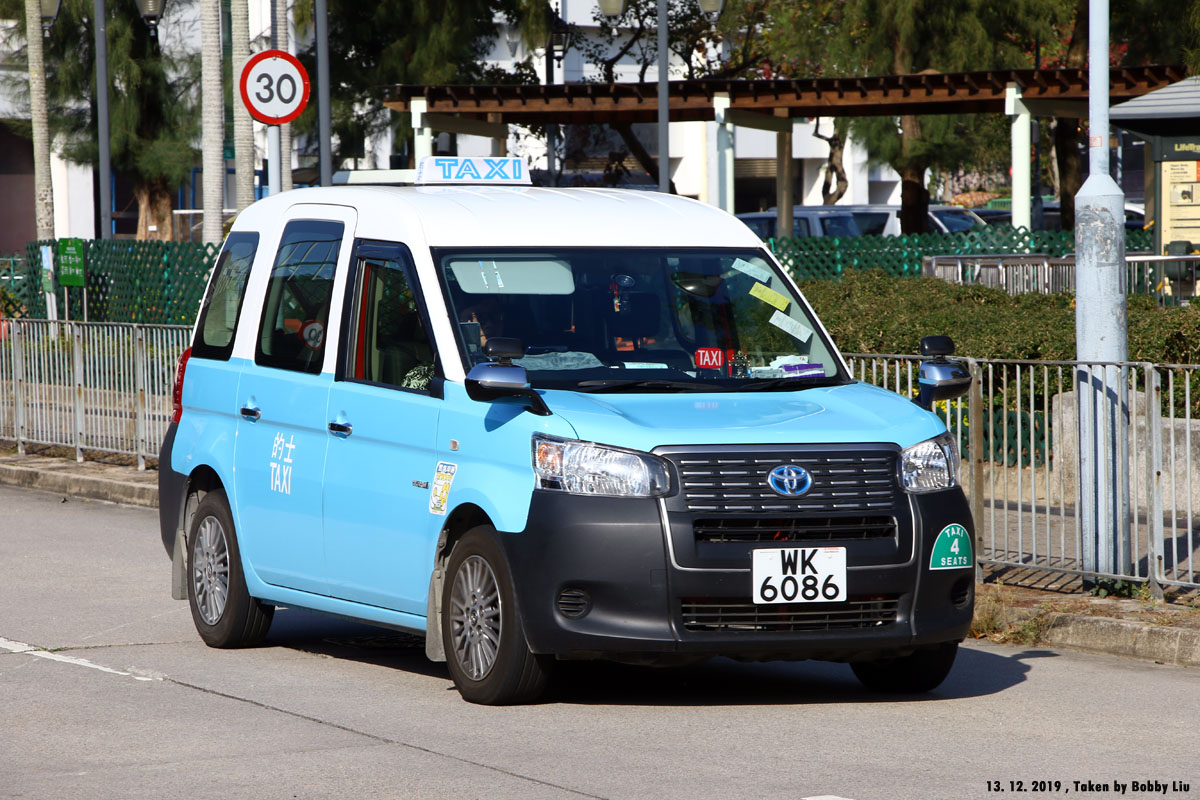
612, 557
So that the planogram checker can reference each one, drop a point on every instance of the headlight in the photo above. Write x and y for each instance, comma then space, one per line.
931, 465
566, 465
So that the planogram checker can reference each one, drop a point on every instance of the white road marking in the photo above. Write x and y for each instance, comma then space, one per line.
30, 650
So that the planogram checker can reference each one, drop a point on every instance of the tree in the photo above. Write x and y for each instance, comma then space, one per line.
374, 46
731, 48
43, 190
152, 101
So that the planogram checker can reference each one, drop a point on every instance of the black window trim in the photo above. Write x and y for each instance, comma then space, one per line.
199, 348
399, 253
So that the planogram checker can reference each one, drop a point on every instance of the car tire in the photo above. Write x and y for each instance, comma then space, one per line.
482, 632
921, 671
225, 614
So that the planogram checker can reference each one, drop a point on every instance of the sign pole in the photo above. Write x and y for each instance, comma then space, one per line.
274, 154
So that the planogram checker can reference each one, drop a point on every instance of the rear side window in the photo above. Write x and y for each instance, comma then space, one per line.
840, 225
223, 304
296, 312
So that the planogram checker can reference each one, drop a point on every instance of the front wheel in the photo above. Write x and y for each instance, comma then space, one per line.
223, 610
482, 631
920, 671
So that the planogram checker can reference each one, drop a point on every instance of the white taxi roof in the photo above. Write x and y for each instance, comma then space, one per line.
518, 216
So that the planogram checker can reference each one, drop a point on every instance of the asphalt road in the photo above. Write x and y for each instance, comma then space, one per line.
125, 701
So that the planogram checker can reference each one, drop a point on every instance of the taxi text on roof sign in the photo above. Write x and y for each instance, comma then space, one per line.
478, 170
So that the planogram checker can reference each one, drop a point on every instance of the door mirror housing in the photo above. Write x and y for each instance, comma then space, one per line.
941, 378
494, 381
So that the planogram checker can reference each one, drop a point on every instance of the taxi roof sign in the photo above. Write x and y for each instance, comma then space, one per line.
475, 170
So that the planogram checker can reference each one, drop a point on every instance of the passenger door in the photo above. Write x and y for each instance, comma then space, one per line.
380, 532
282, 430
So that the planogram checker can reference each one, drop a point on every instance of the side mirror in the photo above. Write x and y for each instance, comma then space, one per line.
941, 378
496, 380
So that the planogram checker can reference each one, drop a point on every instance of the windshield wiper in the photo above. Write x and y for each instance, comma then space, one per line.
616, 385
772, 384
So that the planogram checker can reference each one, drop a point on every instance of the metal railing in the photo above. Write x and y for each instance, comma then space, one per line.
107, 387
1018, 431
88, 386
1170, 279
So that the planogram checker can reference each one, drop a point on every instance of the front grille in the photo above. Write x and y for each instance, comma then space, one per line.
705, 614
793, 529
737, 482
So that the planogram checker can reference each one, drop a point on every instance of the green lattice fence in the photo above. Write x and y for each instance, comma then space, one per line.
127, 281
815, 257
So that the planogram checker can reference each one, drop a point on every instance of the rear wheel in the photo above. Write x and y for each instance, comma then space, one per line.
482, 631
921, 671
223, 610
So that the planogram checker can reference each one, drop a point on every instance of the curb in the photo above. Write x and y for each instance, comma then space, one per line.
86, 486
1178, 647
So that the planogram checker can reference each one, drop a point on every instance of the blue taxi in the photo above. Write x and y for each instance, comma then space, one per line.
538, 424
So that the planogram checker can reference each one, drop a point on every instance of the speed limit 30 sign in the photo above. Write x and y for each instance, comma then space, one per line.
274, 87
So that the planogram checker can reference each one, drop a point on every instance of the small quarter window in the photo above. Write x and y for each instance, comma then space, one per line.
295, 322
223, 304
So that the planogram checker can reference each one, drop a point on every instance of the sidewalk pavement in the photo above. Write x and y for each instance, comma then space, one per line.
1166, 633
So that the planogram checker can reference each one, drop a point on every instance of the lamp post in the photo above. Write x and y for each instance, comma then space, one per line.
49, 14
152, 11
556, 50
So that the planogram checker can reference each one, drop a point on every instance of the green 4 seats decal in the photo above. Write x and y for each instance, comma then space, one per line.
952, 550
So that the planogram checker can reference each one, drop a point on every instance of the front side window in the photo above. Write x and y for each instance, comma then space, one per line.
223, 304
296, 312
391, 342
600, 319
840, 225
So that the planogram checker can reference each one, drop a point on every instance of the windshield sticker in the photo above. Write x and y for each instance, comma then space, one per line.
753, 270
710, 357
644, 365
769, 296
803, 370
791, 326
439, 495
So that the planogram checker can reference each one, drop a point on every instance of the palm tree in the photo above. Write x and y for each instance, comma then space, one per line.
43, 189
243, 127
212, 119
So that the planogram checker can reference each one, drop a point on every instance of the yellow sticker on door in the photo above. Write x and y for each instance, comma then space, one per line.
439, 495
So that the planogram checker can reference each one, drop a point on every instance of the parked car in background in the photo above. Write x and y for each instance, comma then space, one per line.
1135, 216
806, 221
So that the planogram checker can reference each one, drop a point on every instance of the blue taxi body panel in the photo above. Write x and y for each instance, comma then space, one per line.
207, 430
494, 466
843, 414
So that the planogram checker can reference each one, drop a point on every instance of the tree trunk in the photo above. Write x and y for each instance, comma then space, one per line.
43, 187
835, 166
212, 120
154, 211
243, 126
1067, 137
914, 200
638, 151
914, 197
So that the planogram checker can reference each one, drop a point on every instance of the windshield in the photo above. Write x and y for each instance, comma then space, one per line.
611, 319
956, 221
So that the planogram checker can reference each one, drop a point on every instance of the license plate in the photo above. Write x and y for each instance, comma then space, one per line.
799, 575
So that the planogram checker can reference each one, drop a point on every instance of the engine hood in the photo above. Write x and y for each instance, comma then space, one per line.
855, 412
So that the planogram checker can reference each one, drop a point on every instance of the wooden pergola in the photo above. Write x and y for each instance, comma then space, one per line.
773, 105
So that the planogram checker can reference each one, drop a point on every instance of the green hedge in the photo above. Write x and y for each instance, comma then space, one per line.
870, 312
828, 257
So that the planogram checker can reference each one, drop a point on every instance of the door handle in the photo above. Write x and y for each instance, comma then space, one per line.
341, 429
251, 413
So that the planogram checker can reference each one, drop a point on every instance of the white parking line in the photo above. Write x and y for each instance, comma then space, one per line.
30, 650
